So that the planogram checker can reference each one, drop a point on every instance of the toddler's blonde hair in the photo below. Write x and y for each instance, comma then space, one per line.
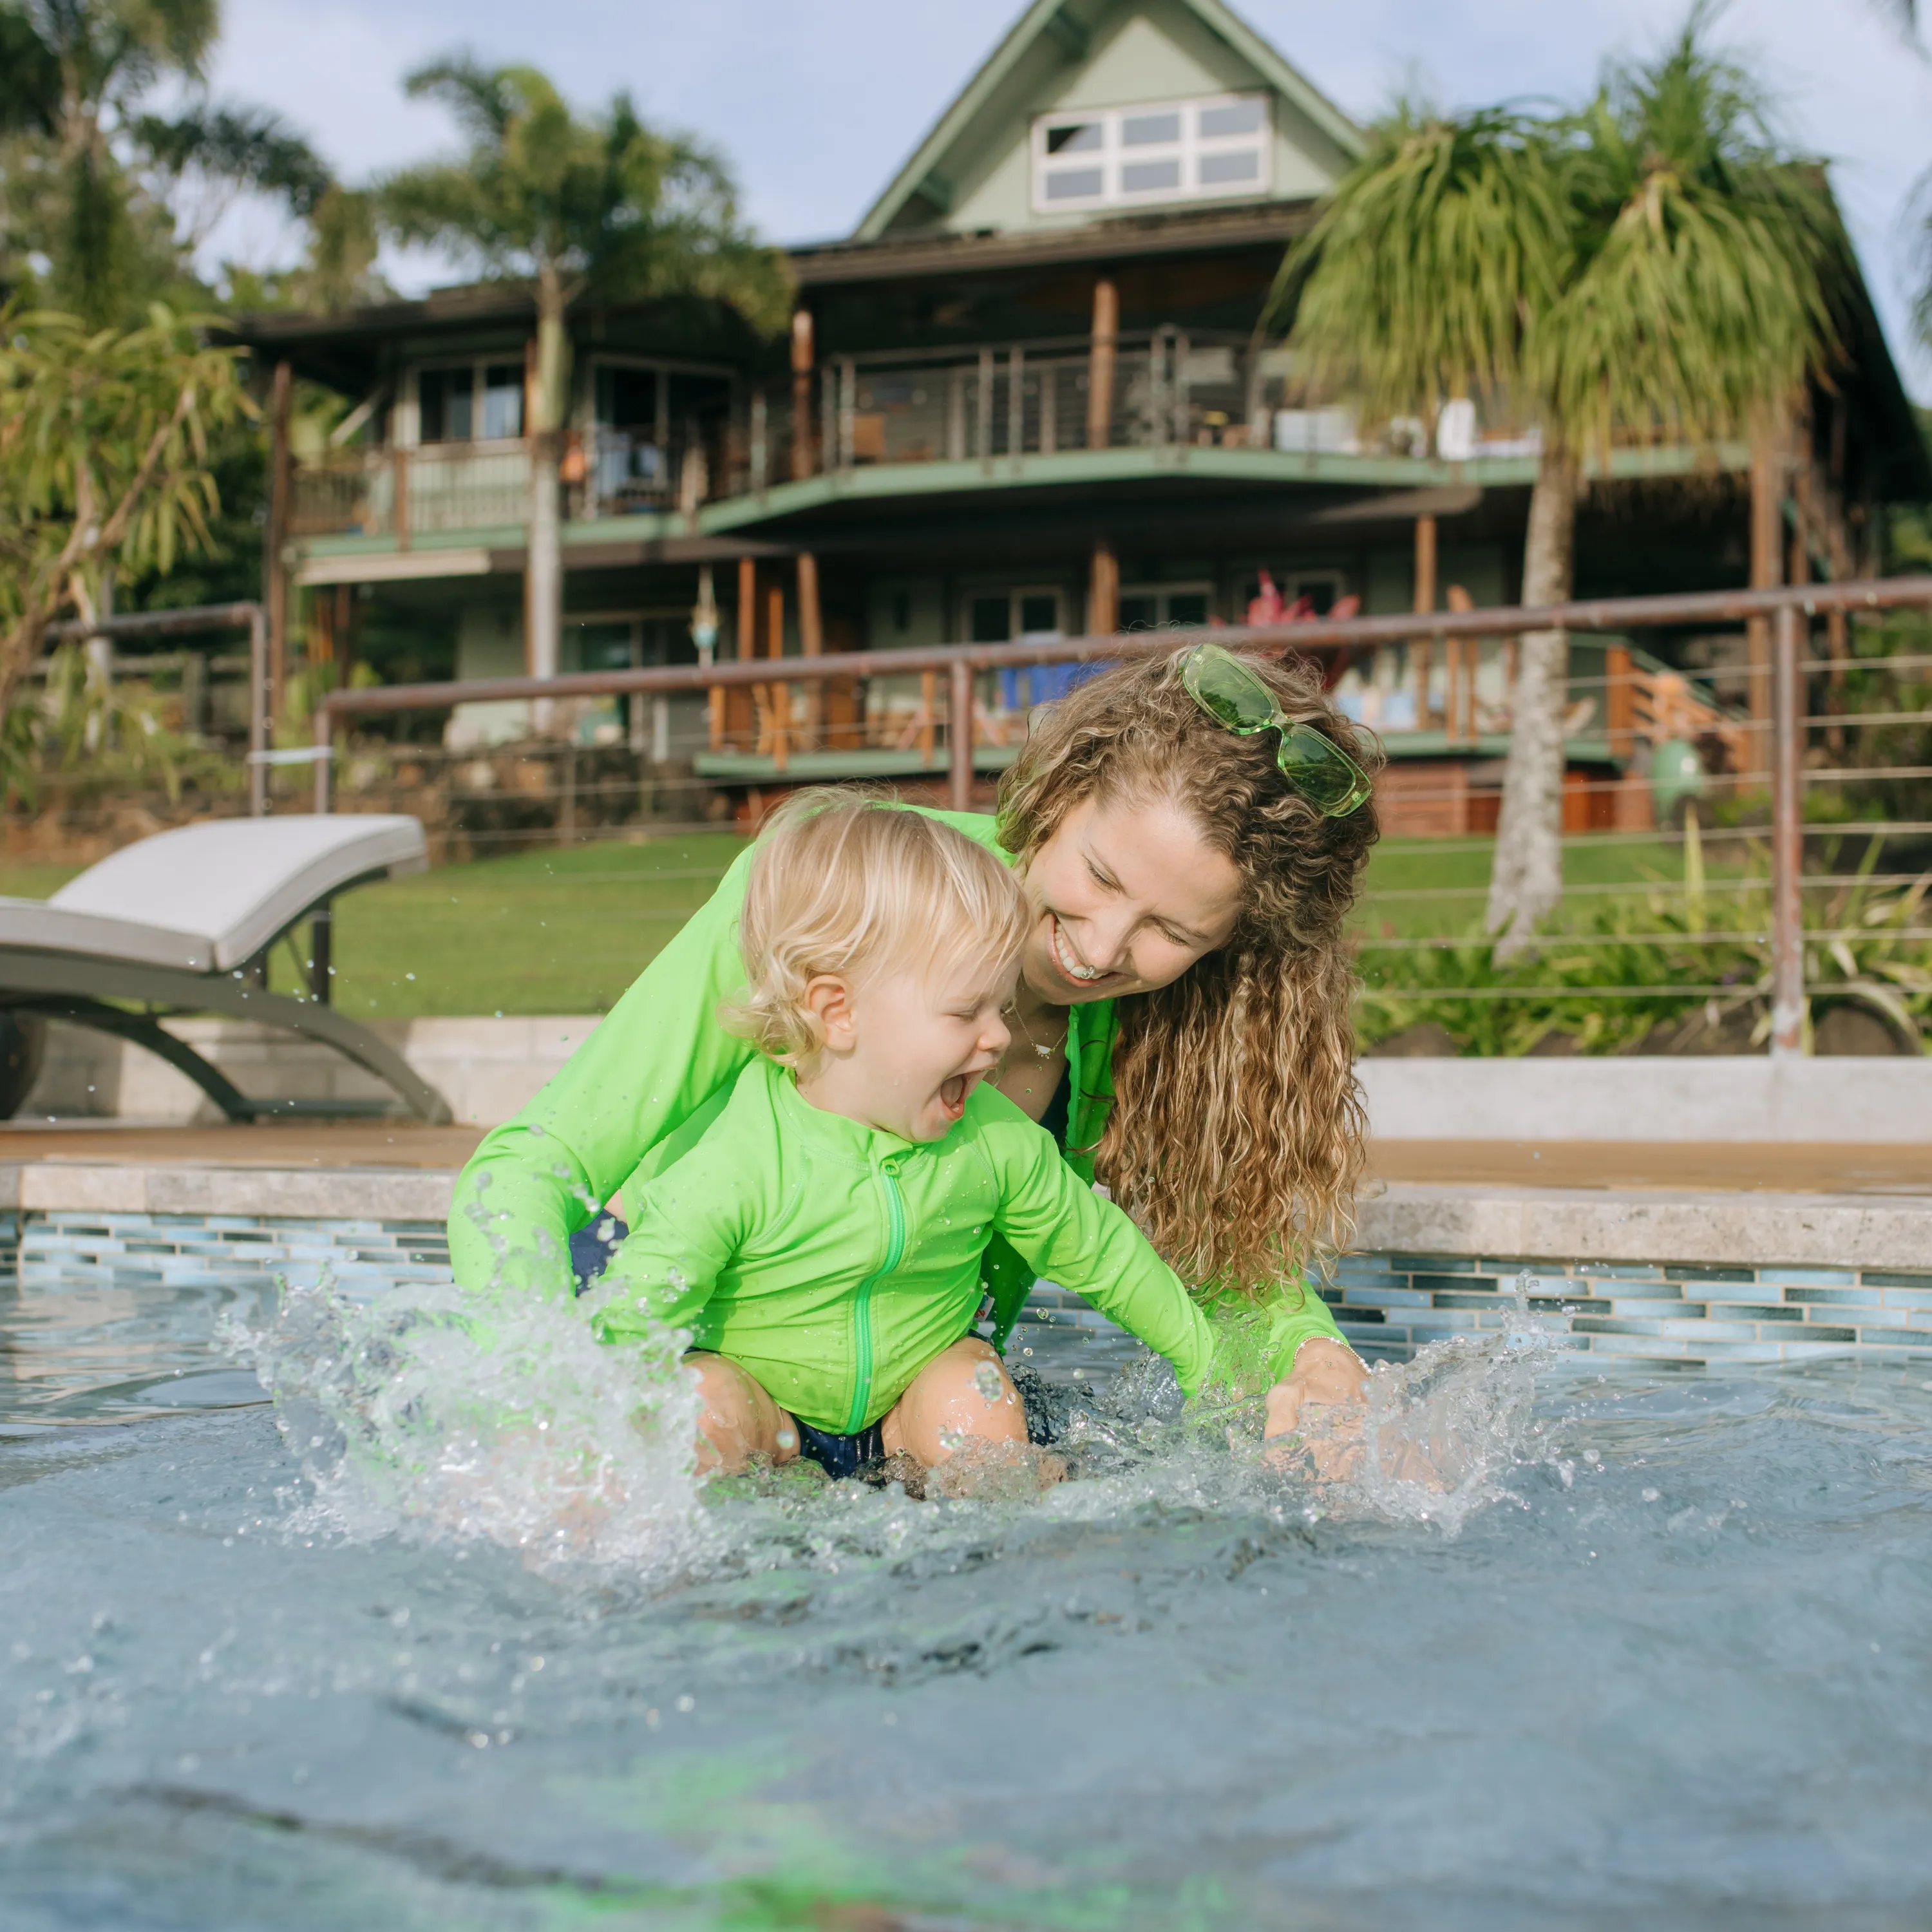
841, 883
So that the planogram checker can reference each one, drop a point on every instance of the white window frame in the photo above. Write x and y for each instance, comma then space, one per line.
476, 365
1014, 594
1163, 594
1113, 155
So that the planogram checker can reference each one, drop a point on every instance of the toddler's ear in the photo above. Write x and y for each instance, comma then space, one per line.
827, 1004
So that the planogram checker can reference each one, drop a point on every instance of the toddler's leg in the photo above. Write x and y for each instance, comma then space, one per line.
740, 1420
963, 1391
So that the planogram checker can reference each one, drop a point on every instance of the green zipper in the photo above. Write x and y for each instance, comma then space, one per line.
861, 1388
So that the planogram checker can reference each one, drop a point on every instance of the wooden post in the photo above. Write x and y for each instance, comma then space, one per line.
399, 508
1465, 658
779, 694
1422, 649
275, 545
1767, 518
959, 737
1619, 712
801, 393
748, 642
1798, 569
812, 643
928, 705
1100, 364
1103, 592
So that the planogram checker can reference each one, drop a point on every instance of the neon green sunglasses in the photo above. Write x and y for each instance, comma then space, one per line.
1238, 701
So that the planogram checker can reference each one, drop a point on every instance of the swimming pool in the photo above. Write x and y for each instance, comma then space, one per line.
1676, 1674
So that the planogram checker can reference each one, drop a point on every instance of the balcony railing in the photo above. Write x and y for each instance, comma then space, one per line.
441, 487
1164, 389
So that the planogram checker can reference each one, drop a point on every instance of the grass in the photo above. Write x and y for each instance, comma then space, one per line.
566, 930
553, 932
1454, 875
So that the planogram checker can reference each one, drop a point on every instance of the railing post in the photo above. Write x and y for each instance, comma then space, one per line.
959, 736
1015, 402
259, 700
1787, 842
325, 746
982, 415
399, 493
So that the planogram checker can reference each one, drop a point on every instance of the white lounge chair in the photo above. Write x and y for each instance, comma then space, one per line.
182, 923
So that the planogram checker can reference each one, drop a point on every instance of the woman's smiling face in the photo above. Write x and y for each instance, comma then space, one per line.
1127, 896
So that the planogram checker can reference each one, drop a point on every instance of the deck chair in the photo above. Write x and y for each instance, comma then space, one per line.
182, 922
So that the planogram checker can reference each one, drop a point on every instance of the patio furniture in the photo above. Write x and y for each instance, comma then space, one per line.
183, 922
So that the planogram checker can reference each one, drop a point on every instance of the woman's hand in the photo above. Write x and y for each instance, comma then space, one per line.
1327, 1379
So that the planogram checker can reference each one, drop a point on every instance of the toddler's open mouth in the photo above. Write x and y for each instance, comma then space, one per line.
952, 1093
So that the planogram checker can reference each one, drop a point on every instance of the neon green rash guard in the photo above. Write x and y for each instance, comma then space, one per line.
834, 1260
641, 1091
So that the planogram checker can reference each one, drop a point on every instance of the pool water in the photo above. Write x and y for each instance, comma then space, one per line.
1659, 1656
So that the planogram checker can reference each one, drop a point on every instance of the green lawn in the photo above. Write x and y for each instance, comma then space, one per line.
566, 930
1434, 887
554, 931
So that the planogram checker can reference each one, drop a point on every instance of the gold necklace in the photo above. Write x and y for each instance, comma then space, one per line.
1048, 1051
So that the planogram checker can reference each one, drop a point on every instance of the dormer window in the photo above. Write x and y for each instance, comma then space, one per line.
1161, 150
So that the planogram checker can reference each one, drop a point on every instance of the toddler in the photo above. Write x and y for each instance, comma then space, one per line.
822, 1240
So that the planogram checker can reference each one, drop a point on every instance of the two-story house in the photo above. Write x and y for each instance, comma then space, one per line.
1026, 395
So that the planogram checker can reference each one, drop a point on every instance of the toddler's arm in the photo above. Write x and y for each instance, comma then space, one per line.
689, 1226
1073, 1237
652, 1062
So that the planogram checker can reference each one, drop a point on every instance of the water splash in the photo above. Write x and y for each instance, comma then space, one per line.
439, 1415
1437, 1436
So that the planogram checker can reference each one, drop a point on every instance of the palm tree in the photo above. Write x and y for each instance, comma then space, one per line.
73, 74
1656, 266
574, 208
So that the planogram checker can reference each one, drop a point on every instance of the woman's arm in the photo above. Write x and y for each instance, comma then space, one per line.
1290, 1345
654, 1059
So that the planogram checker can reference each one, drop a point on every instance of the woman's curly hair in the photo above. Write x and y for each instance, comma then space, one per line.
1237, 1136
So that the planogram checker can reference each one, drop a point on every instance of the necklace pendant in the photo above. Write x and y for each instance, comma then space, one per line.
1045, 1052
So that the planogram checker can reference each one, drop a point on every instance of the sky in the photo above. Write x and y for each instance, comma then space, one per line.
816, 103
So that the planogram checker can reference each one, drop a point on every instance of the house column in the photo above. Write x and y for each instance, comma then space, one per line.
1100, 364
1767, 520
1423, 649
810, 644
1103, 591
802, 356
274, 543
1103, 581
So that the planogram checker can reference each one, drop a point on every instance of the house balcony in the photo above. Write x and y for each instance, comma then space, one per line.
986, 416
440, 490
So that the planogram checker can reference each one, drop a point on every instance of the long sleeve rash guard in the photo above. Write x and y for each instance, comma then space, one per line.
641, 1091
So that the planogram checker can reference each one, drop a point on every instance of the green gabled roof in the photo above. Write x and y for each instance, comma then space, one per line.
1052, 17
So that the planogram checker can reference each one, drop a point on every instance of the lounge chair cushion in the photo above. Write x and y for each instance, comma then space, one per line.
205, 898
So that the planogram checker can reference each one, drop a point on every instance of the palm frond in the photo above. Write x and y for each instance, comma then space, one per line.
1429, 260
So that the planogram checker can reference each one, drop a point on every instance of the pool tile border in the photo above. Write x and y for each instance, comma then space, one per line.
1670, 1279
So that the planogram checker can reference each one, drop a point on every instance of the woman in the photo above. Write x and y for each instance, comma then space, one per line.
1191, 832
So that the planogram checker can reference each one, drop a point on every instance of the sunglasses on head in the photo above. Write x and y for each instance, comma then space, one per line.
1237, 700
